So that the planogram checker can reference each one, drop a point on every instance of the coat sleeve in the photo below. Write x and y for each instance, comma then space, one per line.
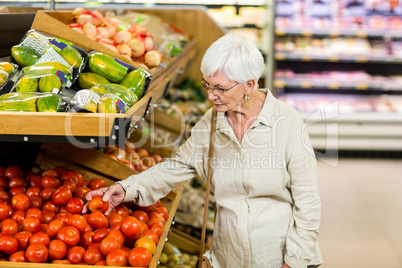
303, 229
156, 182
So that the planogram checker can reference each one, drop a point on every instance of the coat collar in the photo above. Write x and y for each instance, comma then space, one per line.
264, 118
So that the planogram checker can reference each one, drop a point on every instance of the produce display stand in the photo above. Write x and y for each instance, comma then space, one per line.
92, 163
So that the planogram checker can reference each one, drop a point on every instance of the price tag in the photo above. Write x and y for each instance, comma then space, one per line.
361, 33
334, 33
280, 56
306, 84
362, 86
279, 83
307, 32
362, 59
333, 85
280, 32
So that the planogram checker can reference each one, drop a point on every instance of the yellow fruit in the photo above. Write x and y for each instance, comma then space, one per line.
7, 67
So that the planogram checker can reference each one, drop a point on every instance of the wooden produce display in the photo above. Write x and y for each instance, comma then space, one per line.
84, 161
90, 128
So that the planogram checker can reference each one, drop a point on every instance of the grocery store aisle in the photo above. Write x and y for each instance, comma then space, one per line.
361, 213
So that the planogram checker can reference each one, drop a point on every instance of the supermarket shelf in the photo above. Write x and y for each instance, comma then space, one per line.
373, 33
355, 131
327, 86
288, 56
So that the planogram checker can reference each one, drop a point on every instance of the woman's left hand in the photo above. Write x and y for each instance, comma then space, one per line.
286, 266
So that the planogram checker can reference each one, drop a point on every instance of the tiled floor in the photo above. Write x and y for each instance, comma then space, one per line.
361, 222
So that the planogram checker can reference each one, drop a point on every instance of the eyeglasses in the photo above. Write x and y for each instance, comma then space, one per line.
206, 86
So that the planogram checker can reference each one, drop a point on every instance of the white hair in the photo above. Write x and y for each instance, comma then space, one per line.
236, 56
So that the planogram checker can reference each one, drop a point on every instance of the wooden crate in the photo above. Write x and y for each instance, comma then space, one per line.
94, 164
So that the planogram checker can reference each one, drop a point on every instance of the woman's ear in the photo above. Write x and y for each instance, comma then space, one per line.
250, 85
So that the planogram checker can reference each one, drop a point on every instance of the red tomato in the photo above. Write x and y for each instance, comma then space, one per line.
85, 183
153, 214
3, 183
108, 244
81, 192
18, 216
131, 227
97, 204
2, 169
116, 234
157, 228
36, 213
37, 253
151, 234
69, 235
94, 245
4, 212
73, 176
146, 242
17, 181
140, 257
23, 239
86, 239
144, 225
46, 193
48, 216
57, 250
96, 184
4, 197
78, 222
35, 181
162, 211
75, 254
10, 210
69, 184
100, 234
156, 220
126, 250
60, 171
63, 209
159, 203
43, 227
50, 206
101, 263
61, 195
32, 191
75, 205
50, 172
31, 224
40, 237
97, 220
13, 171
8, 244
147, 209
117, 257
16, 190
50, 181
89, 228
20, 202
9, 227
115, 219
140, 215
116, 226
63, 216
18, 256
93, 255
54, 227
122, 210
35, 201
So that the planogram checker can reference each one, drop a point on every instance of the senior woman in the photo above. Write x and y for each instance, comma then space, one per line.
264, 175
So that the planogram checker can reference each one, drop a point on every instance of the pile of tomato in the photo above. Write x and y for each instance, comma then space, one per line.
41, 221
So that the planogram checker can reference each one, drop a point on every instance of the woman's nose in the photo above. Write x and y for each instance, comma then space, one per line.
211, 95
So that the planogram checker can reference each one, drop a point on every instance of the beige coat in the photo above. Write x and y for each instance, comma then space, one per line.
268, 206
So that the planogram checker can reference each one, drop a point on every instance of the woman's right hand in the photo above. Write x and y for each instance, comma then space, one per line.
114, 194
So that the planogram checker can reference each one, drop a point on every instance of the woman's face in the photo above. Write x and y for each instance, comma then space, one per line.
230, 100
